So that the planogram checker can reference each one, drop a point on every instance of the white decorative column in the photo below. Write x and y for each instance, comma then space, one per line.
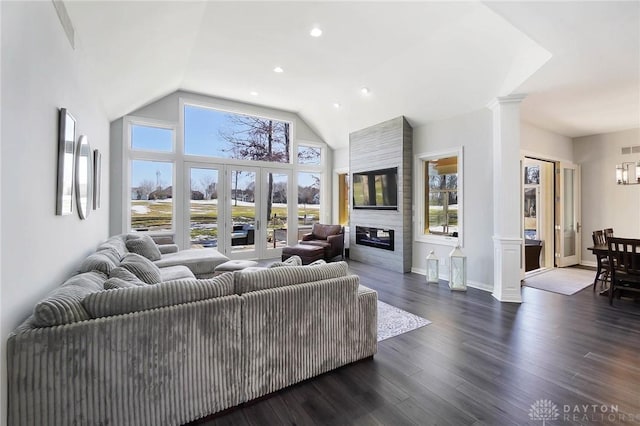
507, 241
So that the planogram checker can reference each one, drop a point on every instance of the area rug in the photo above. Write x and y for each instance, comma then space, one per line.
393, 321
565, 281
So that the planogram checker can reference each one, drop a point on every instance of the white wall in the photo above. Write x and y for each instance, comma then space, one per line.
473, 132
40, 73
544, 144
604, 203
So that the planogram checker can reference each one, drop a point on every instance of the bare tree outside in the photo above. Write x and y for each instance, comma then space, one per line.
258, 139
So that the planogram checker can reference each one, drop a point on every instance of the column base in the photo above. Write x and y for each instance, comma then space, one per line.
506, 269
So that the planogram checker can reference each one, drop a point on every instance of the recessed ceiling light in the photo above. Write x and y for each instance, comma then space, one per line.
278, 69
253, 93
315, 32
336, 105
365, 91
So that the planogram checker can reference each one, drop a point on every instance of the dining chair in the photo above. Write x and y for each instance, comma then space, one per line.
602, 261
624, 256
608, 232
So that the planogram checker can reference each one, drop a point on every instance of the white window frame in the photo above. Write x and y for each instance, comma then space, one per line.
421, 204
129, 155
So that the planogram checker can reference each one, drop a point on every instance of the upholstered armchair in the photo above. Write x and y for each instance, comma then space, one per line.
330, 237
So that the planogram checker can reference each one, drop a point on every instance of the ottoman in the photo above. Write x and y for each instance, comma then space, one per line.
234, 265
307, 253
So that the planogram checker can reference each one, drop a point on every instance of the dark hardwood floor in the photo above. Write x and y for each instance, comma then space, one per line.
480, 362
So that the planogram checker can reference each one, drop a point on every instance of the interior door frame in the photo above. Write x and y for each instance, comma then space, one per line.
562, 260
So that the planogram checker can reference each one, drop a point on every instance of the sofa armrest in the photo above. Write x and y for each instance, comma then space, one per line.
168, 248
307, 237
336, 241
367, 328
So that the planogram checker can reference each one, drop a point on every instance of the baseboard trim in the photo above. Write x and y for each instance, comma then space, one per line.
589, 263
472, 284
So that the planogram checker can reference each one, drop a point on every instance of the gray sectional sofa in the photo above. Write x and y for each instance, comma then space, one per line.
173, 352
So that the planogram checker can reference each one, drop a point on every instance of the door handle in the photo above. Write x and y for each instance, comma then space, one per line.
578, 226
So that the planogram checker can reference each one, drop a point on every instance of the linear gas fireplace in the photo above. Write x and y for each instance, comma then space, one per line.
375, 237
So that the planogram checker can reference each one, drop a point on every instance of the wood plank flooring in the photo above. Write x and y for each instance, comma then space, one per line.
480, 362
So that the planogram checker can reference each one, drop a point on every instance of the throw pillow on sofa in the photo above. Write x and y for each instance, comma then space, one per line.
122, 274
144, 246
127, 300
141, 267
63, 305
115, 283
103, 261
292, 261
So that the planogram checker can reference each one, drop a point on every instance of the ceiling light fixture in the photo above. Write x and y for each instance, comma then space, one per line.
315, 32
253, 93
336, 105
365, 91
278, 69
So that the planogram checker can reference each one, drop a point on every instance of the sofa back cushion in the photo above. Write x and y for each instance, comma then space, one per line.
144, 246
142, 268
64, 304
246, 282
127, 300
321, 232
117, 243
103, 261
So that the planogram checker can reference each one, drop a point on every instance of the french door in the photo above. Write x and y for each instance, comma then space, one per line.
568, 230
241, 210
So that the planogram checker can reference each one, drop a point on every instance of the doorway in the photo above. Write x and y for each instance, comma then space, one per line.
551, 214
242, 211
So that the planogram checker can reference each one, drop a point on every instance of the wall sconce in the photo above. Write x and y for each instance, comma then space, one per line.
432, 268
457, 270
622, 173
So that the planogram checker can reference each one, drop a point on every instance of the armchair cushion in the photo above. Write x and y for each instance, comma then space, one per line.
321, 232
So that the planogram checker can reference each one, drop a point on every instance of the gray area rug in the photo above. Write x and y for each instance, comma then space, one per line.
393, 321
565, 281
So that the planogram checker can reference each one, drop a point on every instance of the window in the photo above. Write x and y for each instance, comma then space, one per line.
151, 195
343, 199
440, 202
149, 192
149, 138
308, 199
213, 133
308, 154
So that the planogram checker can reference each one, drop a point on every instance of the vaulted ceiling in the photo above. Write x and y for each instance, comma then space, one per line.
579, 62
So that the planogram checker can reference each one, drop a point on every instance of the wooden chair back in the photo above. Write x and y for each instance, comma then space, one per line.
599, 238
608, 233
624, 262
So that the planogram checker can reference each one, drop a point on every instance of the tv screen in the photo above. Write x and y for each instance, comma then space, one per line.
376, 189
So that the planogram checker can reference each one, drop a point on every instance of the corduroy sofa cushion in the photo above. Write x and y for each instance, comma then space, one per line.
126, 300
279, 277
142, 268
294, 260
144, 246
115, 283
102, 261
124, 275
63, 305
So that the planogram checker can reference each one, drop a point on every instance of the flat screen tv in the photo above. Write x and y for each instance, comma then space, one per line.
376, 189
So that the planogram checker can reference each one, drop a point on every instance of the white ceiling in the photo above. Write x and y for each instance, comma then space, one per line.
579, 62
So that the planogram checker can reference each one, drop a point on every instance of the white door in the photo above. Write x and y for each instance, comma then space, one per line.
243, 207
276, 226
569, 227
205, 189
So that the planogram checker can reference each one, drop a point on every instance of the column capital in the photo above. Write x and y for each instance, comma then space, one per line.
509, 99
